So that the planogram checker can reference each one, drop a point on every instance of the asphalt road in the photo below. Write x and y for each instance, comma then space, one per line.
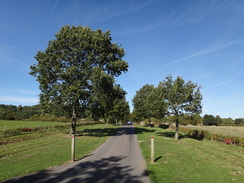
118, 160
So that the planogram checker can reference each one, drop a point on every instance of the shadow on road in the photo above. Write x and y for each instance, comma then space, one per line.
112, 131
97, 132
103, 171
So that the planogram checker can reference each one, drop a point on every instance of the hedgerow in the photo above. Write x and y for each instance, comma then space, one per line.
22, 131
202, 134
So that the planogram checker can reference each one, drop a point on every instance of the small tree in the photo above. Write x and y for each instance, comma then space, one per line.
77, 72
149, 102
209, 119
120, 111
181, 97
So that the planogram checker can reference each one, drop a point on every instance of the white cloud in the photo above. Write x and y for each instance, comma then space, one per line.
28, 92
207, 50
18, 100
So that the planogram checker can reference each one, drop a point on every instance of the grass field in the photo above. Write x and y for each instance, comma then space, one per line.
190, 160
39, 151
232, 131
7, 125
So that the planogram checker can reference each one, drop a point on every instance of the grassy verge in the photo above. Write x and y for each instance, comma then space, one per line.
189, 160
232, 131
7, 125
48, 149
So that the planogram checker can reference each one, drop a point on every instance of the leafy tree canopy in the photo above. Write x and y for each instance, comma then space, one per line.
181, 98
78, 70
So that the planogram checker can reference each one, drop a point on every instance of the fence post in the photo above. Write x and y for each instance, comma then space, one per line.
152, 149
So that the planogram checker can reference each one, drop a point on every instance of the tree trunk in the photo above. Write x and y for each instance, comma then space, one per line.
72, 133
177, 128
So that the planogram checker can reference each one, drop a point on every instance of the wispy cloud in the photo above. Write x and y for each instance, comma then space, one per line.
139, 29
204, 51
98, 11
20, 100
50, 14
28, 92
197, 11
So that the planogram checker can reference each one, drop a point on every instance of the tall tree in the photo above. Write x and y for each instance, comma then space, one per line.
181, 97
209, 119
149, 102
140, 102
120, 111
77, 70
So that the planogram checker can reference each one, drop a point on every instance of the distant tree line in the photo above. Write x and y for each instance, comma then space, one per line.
209, 120
174, 101
12, 112
119, 112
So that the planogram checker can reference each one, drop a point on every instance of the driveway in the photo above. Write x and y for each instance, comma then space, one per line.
118, 160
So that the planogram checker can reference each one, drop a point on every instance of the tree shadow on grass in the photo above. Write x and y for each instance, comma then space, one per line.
139, 130
171, 135
103, 170
196, 136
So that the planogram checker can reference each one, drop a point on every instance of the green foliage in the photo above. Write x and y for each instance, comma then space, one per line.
173, 98
149, 102
38, 127
11, 112
227, 121
187, 119
181, 97
239, 121
209, 119
190, 160
77, 72
38, 151
203, 134
120, 111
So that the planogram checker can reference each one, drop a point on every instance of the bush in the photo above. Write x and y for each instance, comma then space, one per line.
201, 134
164, 126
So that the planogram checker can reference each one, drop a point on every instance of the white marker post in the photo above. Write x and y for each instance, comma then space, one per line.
152, 149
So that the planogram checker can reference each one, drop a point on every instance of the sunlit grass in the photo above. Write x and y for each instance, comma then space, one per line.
7, 125
232, 131
49, 149
190, 160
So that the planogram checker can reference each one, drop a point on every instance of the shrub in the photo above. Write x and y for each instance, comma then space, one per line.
200, 135
26, 130
164, 126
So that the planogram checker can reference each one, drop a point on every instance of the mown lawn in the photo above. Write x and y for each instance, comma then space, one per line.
7, 125
39, 151
190, 160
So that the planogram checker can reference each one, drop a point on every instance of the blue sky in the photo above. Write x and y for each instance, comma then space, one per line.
202, 41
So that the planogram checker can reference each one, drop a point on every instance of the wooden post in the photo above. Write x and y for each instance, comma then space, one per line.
72, 133
152, 149
72, 147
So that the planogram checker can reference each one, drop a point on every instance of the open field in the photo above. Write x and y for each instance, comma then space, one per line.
231, 131
190, 160
39, 151
7, 125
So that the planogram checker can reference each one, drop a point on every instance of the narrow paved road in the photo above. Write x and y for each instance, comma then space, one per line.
118, 160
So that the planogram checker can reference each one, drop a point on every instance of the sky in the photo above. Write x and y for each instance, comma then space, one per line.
201, 41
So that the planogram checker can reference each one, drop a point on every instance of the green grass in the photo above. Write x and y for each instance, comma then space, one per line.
48, 149
189, 160
7, 125
232, 131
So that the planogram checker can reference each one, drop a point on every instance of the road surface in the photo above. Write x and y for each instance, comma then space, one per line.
118, 160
